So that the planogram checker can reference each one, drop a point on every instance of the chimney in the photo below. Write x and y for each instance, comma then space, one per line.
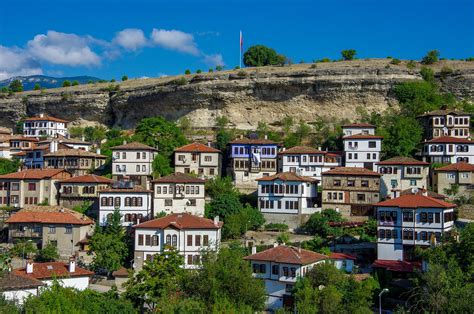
319, 148
254, 250
72, 264
29, 267
98, 151
83, 138
53, 146
41, 115
275, 244
241, 136
138, 221
124, 142
216, 221
266, 137
209, 143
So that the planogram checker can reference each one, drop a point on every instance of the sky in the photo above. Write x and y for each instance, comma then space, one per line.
146, 38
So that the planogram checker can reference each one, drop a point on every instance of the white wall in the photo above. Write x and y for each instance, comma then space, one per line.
180, 202
19, 296
130, 162
145, 209
79, 283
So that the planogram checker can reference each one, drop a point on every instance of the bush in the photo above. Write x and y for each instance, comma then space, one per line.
219, 68
211, 70
75, 83
260, 55
187, 72
37, 87
113, 88
236, 67
276, 227
16, 86
348, 54
445, 71
395, 61
124, 78
198, 71
180, 81
470, 59
242, 73
411, 64
427, 74
112, 81
431, 57
66, 83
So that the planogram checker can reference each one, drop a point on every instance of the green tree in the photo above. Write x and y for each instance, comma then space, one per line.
66, 83
16, 86
219, 186
82, 208
223, 205
219, 68
452, 191
302, 131
8, 166
113, 134
348, 54
76, 131
124, 78
187, 72
318, 223
48, 254
198, 71
260, 55
283, 238
431, 57
161, 166
158, 278
75, 83
8, 306
37, 86
94, 134
401, 136
24, 249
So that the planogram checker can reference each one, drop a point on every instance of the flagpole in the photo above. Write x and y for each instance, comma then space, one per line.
240, 51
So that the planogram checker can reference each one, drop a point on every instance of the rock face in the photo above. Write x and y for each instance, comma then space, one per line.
246, 97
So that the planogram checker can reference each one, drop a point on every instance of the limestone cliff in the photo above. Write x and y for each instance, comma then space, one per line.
266, 94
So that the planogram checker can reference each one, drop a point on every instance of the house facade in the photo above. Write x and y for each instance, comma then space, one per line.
187, 233
62, 227
76, 161
199, 159
18, 288
280, 267
133, 162
441, 123
307, 161
44, 126
286, 196
251, 159
350, 190
460, 174
409, 221
448, 150
31, 187
133, 202
402, 173
179, 193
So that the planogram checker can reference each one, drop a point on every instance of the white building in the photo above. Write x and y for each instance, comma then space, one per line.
187, 233
69, 275
343, 261
409, 221
179, 193
446, 123
199, 159
358, 128
279, 267
133, 161
18, 288
133, 202
448, 150
307, 161
44, 126
402, 173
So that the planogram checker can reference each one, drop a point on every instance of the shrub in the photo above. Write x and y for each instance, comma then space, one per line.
75, 83
113, 87
198, 71
66, 83
211, 70
276, 227
242, 73
236, 67
16, 86
431, 57
445, 71
387, 66
427, 74
180, 81
124, 78
37, 87
395, 61
313, 66
187, 72
348, 54
470, 59
411, 64
219, 67
112, 81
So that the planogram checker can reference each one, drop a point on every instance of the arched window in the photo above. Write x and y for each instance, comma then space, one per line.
155, 240
109, 217
134, 201
91, 190
85, 190
103, 201
127, 201
117, 201
139, 201
175, 240
134, 218
110, 201
140, 216
168, 239
127, 217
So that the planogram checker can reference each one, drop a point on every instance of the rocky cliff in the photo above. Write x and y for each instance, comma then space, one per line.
305, 92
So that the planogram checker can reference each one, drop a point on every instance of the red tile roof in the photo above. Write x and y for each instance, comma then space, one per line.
288, 255
11, 281
287, 176
422, 191
302, 150
133, 146
396, 266
415, 201
45, 118
401, 160
180, 221
90, 178
49, 215
32, 174
445, 112
351, 171
52, 270
449, 139
335, 255
460, 166
358, 125
178, 177
73, 153
255, 141
196, 148
121, 272
362, 137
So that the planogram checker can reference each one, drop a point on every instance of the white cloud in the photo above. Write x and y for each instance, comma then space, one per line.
175, 40
213, 60
130, 39
17, 62
64, 49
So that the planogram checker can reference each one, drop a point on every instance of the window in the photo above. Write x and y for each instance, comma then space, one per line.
52, 229
350, 182
189, 240
117, 201
285, 271
364, 183
69, 229
293, 271
413, 182
197, 240
211, 171
168, 202
138, 155
361, 197
263, 268
407, 234
144, 155
31, 186
207, 158
437, 217
168, 240
372, 144
138, 168
15, 186
423, 217
158, 190
148, 240
337, 182
175, 240
143, 168
255, 268
430, 218
205, 240
275, 270
140, 239
190, 259
408, 216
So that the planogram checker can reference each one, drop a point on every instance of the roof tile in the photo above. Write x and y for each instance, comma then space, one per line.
449, 139
460, 166
288, 255
178, 177
287, 176
90, 178
52, 270
415, 201
32, 174
401, 160
197, 147
49, 215
351, 171
133, 146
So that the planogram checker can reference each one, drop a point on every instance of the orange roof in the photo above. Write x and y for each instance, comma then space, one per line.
423, 191
449, 139
401, 160
91, 178
460, 166
46, 118
180, 221
33, 174
133, 146
396, 266
74, 153
256, 141
415, 201
178, 177
335, 255
288, 255
52, 270
287, 176
358, 125
301, 150
49, 215
351, 171
362, 137
196, 147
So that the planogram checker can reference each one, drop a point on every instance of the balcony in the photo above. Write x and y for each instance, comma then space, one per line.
26, 234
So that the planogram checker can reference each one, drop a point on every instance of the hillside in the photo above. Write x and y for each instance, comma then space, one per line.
46, 81
329, 90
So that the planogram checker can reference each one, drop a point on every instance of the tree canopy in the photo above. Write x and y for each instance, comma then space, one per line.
16, 86
260, 55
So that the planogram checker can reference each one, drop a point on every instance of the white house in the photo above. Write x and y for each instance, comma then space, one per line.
409, 221
179, 193
44, 126
199, 159
307, 161
18, 288
187, 233
448, 150
358, 128
343, 261
133, 202
279, 267
133, 161
401, 173
69, 275
445, 122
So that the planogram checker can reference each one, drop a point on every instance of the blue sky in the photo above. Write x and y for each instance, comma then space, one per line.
83, 37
